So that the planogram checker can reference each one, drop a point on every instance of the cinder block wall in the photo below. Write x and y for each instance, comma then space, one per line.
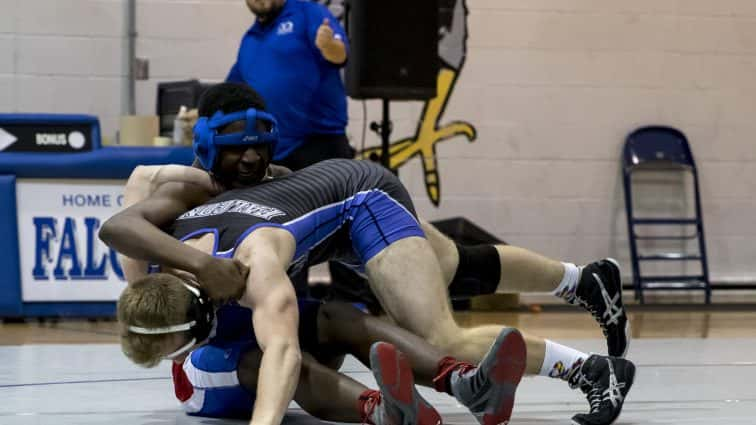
552, 87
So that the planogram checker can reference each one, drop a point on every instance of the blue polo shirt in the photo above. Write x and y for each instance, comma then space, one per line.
301, 88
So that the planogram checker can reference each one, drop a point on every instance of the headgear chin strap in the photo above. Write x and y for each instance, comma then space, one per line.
207, 141
200, 321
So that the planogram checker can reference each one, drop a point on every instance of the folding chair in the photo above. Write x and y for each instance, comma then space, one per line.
664, 149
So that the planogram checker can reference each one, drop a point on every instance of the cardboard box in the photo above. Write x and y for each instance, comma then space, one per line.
138, 130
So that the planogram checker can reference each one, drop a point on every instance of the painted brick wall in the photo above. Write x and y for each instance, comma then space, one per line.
552, 86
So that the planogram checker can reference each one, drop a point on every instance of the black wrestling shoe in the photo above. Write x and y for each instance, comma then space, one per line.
600, 292
605, 381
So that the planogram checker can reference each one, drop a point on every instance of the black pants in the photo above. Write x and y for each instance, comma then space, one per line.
316, 148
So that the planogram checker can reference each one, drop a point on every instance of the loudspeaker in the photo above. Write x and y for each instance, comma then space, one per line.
393, 49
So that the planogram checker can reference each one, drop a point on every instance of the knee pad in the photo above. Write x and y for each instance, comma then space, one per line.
478, 271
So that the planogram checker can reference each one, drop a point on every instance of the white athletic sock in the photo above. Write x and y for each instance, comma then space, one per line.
561, 362
568, 285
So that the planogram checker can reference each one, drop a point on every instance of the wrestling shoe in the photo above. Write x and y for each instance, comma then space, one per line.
605, 381
488, 390
400, 402
600, 292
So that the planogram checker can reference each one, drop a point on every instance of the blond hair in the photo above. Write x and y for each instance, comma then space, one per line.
156, 300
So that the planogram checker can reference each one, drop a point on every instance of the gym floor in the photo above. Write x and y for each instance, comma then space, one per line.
695, 365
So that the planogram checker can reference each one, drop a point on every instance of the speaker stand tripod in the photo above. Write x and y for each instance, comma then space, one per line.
384, 129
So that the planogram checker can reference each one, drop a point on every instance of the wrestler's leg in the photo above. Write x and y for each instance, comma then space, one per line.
338, 404
488, 390
405, 275
345, 399
597, 287
344, 328
518, 270
407, 280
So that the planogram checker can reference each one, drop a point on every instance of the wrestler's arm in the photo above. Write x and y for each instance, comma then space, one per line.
137, 188
143, 182
145, 179
135, 233
275, 319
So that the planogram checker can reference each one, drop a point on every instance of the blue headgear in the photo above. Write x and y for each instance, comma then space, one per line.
207, 141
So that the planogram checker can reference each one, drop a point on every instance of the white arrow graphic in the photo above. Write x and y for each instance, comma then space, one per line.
6, 139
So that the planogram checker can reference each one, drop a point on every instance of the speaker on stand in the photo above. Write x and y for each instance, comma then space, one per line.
394, 55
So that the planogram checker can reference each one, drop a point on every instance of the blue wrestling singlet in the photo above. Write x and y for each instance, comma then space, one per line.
207, 383
340, 209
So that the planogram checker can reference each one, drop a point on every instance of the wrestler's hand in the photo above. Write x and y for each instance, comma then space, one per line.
224, 279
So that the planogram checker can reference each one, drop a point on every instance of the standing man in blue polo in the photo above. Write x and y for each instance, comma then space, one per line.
292, 55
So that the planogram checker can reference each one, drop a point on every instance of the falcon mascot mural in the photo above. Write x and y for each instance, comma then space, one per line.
452, 50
